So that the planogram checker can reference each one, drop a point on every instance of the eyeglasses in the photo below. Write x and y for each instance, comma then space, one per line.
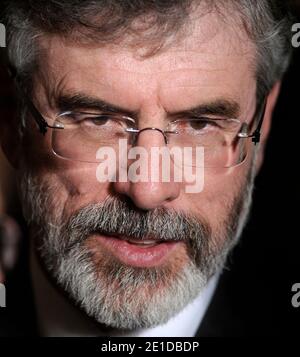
78, 135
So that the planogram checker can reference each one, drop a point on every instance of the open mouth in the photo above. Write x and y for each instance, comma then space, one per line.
144, 243
137, 252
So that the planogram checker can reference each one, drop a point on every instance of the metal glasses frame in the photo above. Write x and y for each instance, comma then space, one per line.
44, 126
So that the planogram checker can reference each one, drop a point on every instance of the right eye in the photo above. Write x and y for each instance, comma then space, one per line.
95, 120
99, 120
77, 118
200, 124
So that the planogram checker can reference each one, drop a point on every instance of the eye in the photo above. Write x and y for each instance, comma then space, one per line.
99, 120
103, 121
75, 119
95, 120
204, 125
195, 125
200, 123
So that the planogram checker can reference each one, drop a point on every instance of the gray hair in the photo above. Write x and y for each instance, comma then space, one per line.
267, 23
118, 295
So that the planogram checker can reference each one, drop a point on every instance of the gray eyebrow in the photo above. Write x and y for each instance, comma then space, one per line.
219, 107
81, 101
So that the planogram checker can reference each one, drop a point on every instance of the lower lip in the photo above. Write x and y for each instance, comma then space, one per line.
136, 255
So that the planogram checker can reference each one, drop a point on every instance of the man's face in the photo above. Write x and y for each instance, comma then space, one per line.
83, 227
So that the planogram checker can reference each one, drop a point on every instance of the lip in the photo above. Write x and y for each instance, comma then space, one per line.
137, 255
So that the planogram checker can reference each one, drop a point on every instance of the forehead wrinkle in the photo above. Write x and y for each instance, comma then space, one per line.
182, 50
181, 61
173, 65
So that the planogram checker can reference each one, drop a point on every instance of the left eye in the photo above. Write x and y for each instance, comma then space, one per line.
196, 124
200, 124
98, 121
211, 124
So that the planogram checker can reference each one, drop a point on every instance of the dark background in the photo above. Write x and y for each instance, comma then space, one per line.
267, 261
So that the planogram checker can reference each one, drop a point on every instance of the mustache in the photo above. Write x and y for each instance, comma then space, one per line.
119, 217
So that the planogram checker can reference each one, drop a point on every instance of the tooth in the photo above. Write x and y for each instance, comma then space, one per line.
142, 242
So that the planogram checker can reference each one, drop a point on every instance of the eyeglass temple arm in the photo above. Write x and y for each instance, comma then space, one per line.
257, 132
37, 116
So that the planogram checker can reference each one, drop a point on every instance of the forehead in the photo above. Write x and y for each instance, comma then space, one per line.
213, 56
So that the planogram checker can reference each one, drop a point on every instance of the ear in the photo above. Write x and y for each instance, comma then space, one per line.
265, 130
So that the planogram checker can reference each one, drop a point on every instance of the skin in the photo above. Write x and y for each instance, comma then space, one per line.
206, 65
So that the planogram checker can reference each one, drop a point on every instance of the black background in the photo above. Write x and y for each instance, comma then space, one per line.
267, 261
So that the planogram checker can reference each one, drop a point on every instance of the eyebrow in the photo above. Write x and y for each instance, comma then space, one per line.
85, 102
219, 107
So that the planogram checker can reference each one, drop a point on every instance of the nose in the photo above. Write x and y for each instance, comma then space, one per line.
146, 191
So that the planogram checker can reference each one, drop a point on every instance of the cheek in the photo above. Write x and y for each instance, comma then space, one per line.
73, 186
216, 200
82, 186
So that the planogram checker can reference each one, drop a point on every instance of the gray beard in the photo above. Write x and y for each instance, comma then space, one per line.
121, 296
